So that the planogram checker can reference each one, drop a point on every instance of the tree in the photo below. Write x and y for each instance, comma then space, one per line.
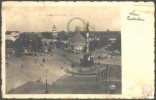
9, 44
18, 47
36, 44
62, 35
47, 35
117, 44
103, 42
26, 41
93, 45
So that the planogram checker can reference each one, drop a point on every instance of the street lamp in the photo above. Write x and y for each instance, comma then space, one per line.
87, 42
46, 90
106, 76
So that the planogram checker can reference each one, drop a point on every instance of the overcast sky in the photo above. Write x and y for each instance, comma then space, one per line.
38, 19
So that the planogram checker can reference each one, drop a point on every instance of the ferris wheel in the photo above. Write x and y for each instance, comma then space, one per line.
76, 22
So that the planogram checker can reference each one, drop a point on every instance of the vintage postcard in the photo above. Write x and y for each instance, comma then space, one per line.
78, 50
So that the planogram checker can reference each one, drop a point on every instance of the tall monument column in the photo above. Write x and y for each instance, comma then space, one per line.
87, 60
87, 38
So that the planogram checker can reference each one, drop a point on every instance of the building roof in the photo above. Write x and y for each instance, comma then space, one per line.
46, 40
105, 34
77, 39
9, 32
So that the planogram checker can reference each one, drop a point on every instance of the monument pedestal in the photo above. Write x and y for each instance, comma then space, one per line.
87, 61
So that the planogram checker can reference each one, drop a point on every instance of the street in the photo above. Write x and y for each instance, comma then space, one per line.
29, 68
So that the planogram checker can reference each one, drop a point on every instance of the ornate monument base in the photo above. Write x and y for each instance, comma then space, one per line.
87, 61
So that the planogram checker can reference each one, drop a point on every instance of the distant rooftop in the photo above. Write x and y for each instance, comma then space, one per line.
99, 34
9, 32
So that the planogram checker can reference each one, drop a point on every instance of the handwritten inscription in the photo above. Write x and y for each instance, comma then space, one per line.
134, 16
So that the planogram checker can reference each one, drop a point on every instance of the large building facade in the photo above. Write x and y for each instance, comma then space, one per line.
54, 34
12, 35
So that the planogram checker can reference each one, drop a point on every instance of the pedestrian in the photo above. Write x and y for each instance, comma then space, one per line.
22, 66
41, 65
43, 60
112, 88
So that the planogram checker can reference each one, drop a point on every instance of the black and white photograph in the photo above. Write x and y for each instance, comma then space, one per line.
63, 50
55, 48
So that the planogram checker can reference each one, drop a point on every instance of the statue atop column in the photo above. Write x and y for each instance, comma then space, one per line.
87, 27
87, 38
87, 60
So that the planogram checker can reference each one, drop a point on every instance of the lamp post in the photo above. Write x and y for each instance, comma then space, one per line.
35, 44
46, 90
87, 42
106, 76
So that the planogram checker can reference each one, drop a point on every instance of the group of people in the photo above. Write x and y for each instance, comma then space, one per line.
36, 59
